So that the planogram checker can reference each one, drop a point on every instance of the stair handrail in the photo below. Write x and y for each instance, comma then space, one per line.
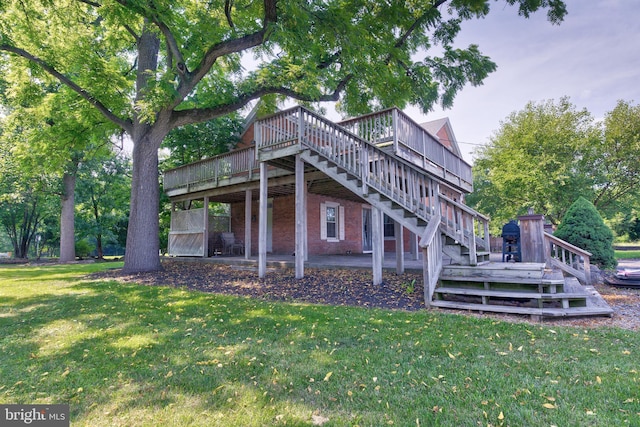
431, 245
396, 178
373, 166
468, 214
568, 258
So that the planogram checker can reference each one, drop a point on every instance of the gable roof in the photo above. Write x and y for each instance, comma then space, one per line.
441, 130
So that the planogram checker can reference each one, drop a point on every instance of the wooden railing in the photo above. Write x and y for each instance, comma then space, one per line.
211, 170
431, 244
412, 142
465, 224
396, 178
568, 258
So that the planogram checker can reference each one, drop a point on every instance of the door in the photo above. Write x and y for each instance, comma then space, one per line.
367, 238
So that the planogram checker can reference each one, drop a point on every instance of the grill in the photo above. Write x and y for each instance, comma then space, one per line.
511, 242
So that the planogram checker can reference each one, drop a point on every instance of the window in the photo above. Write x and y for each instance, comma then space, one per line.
389, 227
331, 221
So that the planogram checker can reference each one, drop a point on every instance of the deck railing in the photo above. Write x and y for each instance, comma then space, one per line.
396, 178
211, 170
568, 258
414, 143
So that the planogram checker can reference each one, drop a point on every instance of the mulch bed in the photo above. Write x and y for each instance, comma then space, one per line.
350, 287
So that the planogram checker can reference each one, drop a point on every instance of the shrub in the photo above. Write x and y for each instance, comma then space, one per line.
582, 226
83, 248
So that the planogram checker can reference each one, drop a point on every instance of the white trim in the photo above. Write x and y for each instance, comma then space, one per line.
339, 221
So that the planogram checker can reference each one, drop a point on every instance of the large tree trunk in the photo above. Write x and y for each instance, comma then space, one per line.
67, 219
143, 241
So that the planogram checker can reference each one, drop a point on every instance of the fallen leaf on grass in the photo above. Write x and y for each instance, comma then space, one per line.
326, 377
318, 420
549, 405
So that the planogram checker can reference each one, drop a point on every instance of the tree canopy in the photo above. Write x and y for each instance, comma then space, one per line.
150, 66
548, 154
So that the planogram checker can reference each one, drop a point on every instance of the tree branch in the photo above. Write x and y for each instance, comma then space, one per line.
124, 124
403, 38
186, 117
191, 79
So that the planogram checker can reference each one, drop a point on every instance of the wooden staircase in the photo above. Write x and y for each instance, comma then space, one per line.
397, 186
386, 159
516, 288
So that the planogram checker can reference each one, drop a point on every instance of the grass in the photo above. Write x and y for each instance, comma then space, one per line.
133, 355
627, 254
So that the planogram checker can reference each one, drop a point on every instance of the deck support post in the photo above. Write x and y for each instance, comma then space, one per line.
247, 224
415, 246
378, 244
262, 224
301, 211
205, 231
398, 231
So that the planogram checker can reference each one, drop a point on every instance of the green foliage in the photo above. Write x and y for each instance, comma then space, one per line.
194, 142
582, 226
25, 198
547, 155
102, 197
84, 248
534, 161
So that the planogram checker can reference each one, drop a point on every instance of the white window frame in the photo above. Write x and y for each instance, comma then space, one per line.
339, 221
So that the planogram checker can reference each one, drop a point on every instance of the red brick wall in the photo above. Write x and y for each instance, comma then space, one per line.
247, 138
283, 236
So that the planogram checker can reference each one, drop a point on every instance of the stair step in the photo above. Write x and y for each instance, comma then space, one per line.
543, 312
512, 294
495, 271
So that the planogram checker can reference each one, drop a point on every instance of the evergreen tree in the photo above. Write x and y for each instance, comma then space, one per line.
582, 226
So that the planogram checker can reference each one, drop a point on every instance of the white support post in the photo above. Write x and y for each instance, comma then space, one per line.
399, 247
394, 117
300, 217
305, 219
262, 225
377, 235
415, 246
205, 231
247, 224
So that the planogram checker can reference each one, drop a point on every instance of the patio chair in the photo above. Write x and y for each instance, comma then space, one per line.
230, 244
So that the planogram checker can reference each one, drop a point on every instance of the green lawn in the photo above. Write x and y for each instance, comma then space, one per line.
134, 355
627, 254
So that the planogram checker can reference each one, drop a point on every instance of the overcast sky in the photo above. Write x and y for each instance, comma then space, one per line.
593, 57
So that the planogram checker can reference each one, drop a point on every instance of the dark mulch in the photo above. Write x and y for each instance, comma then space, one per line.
351, 287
